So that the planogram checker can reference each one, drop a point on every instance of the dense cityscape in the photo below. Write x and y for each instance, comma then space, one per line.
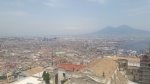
76, 60
74, 41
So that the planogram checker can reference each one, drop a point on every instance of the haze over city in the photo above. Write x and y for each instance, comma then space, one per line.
74, 41
69, 17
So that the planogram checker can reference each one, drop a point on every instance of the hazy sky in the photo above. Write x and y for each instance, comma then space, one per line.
47, 17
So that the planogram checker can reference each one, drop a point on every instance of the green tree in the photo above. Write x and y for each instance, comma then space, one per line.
46, 77
44, 73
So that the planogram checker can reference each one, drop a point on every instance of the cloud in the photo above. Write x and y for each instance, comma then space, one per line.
14, 13
15, 3
102, 2
53, 3
138, 11
72, 28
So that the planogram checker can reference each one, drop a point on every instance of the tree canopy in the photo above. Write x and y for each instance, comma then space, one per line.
46, 77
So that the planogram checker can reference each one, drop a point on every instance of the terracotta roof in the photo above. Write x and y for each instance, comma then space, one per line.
2, 65
34, 70
130, 59
70, 67
13, 64
58, 59
2, 52
102, 65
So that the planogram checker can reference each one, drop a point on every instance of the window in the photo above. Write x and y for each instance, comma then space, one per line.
149, 65
64, 75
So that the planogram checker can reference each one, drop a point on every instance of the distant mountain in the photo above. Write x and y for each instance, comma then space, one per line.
123, 30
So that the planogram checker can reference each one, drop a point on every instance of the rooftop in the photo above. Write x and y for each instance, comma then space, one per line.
130, 59
103, 66
70, 67
28, 80
34, 71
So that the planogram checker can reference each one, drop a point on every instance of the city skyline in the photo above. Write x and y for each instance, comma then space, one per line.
66, 17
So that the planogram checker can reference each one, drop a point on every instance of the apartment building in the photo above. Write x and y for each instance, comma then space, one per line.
144, 77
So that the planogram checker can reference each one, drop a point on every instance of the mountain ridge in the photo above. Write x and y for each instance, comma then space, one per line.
122, 30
